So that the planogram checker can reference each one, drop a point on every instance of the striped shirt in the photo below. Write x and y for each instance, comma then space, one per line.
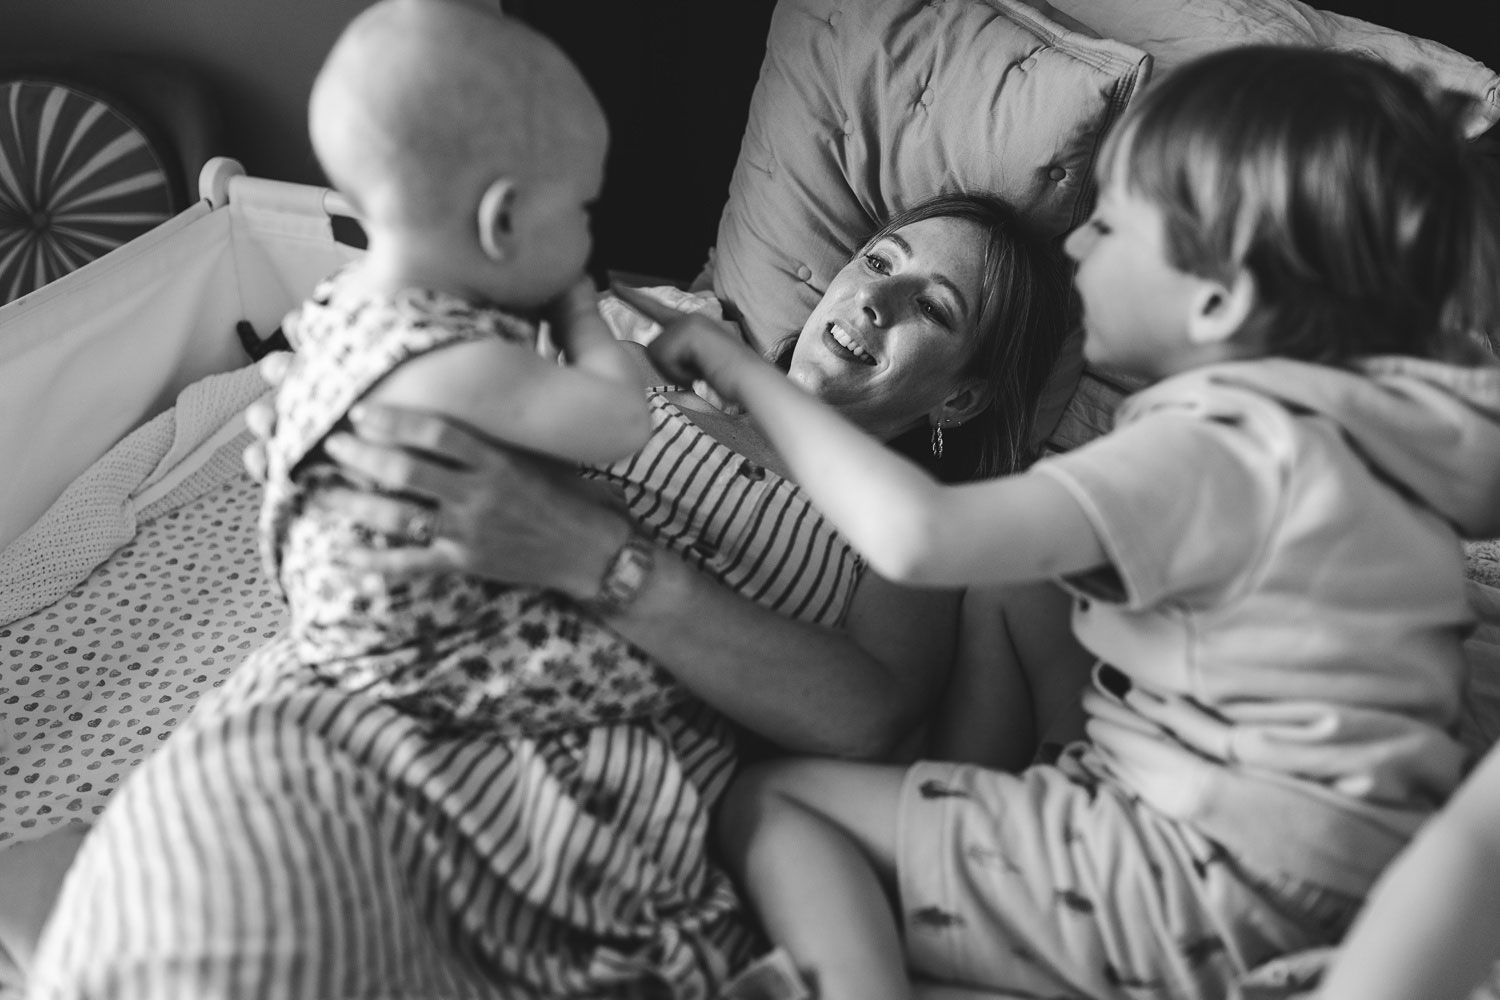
295, 841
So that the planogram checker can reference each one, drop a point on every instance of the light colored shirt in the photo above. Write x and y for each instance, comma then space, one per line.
1285, 604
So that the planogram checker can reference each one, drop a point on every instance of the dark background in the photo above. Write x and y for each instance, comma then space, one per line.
675, 78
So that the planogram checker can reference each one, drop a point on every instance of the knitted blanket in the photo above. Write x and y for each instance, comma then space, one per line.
165, 463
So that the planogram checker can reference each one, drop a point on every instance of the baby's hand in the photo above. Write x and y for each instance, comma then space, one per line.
574, 318
692, 346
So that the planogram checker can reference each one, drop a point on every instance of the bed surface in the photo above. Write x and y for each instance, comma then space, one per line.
96, 678
140, 587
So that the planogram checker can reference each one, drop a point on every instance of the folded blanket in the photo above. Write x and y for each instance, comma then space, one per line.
166, 462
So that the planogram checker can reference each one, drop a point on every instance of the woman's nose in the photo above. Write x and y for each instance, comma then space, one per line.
882, 298
875, 300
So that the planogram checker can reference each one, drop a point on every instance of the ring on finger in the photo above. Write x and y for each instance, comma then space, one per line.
422, 526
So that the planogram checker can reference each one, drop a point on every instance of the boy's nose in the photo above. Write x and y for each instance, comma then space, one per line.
1077, 242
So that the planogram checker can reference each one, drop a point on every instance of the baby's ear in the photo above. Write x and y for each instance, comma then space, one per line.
494, 218
1221, 308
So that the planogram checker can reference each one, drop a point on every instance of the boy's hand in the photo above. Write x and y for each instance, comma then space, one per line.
692, 346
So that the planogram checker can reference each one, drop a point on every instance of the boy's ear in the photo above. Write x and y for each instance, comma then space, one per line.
1221, 308
965, 402
494, 218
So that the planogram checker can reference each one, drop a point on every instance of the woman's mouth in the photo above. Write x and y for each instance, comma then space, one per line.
845, 346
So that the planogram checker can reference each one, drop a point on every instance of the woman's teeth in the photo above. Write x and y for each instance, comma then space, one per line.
849, 344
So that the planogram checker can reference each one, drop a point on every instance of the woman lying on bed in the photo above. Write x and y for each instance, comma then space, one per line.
295, 841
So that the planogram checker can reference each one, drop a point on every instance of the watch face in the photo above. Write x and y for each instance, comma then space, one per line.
632, 569
626, 575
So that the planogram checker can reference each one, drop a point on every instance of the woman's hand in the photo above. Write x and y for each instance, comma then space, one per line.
692, 346
500, 513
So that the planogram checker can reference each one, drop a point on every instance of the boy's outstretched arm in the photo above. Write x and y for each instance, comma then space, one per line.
910, 527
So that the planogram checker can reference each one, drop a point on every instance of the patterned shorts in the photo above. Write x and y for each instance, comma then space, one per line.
1050, 884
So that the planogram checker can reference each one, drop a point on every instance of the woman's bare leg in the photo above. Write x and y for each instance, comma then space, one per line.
1016, 681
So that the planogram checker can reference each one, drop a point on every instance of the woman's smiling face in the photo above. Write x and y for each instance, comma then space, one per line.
888, 341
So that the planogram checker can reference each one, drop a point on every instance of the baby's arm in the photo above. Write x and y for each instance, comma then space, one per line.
586, 340
590, 410
910, 527
1428, 929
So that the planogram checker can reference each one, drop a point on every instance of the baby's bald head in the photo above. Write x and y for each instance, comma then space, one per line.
421, 103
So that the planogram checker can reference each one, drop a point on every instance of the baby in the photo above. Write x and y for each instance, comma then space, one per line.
471, 149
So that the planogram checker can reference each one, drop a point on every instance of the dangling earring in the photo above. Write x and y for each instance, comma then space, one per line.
937, 440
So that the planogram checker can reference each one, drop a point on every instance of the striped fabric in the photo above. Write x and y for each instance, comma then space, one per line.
77, 179
296, 842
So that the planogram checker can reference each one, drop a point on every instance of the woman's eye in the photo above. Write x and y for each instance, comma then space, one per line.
876, 262
933, 311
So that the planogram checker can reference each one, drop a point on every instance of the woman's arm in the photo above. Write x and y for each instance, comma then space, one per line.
807, 688
509, 516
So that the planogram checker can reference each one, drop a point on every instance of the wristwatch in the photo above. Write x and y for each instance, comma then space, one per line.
625, 576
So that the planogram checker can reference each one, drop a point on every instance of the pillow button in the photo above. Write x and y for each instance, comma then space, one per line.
927, 96
751, 471
1027, 64
803, 272
1057, 173
848, 127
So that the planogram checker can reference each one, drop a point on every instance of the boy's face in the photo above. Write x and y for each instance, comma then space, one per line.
1136, 303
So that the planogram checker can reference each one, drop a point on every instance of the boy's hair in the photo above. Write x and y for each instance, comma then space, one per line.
1020, 328
423, 101
1347, 192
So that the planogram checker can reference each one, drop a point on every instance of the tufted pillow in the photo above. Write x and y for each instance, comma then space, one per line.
1174, 31
79, 176
864, 107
